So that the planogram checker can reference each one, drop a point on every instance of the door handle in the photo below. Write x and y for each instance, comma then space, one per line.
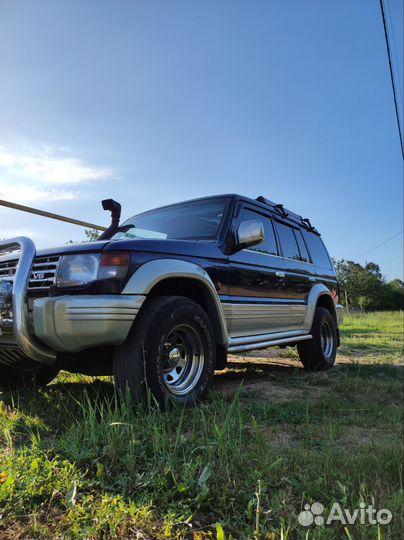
280, 275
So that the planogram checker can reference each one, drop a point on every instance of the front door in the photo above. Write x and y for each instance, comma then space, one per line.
257, 301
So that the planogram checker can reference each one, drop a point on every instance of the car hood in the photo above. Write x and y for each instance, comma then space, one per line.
169, 247
87, 247
185, 247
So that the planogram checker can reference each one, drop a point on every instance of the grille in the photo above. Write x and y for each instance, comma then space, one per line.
7, 270
43, 272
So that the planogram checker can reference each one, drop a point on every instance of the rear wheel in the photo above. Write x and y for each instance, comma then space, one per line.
170, 350
320, 352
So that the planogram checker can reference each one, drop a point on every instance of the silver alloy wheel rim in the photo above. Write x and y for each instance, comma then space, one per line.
327, 339
182, 359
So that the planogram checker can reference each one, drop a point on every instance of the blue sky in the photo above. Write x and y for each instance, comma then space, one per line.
151, 102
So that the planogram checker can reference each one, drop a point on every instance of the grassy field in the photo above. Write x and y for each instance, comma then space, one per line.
272, 438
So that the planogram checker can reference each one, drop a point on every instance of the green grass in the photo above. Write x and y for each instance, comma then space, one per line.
374, 334
76, 464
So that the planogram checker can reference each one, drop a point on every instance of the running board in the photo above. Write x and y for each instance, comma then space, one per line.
236, 346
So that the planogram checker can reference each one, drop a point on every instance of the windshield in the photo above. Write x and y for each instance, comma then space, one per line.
199, 220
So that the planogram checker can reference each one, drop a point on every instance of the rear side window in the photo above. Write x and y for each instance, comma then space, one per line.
268, 245
288, 241
317, 250
304, 255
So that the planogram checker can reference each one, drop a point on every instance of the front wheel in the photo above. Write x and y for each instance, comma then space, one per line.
320, 352
170, 350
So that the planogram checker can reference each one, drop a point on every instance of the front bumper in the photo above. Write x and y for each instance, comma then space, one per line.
75, 323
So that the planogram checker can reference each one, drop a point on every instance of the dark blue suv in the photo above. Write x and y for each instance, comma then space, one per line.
160, 300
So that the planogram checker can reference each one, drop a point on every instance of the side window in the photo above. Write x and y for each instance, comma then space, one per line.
304, 255
268, 245
317, 250
288, 241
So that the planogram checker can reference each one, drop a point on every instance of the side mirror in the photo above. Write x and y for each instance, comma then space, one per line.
249, 233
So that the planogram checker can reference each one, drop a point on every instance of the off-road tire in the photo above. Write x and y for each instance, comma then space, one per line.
143, 362
319, 353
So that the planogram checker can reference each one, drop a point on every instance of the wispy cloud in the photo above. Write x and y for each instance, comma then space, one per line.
28, 175
30, 193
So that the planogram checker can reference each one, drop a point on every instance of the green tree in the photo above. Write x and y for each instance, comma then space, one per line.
91, 235
364, 287
393, 295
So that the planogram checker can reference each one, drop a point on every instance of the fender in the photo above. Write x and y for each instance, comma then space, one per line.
318, 290
153, 272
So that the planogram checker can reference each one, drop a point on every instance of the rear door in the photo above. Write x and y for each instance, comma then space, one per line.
299, 271
258, 301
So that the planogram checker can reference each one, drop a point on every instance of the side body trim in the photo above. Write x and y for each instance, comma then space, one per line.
246, 319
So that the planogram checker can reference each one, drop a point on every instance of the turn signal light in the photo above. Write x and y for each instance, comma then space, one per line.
113, 265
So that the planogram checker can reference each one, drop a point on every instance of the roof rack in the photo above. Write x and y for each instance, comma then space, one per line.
281, 209
305, 222
265, 201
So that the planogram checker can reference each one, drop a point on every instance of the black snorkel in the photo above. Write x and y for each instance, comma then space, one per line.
115, 209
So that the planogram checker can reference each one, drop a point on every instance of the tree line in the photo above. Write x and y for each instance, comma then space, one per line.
364, 287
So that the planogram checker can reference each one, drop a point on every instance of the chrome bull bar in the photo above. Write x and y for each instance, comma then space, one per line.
27, 342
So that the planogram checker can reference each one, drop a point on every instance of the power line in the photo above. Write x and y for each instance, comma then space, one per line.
386, 35
382, 244
395, 52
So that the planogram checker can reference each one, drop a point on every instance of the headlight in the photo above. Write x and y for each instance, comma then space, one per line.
76, 270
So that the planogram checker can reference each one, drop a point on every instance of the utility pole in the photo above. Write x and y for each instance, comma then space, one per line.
50, 215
